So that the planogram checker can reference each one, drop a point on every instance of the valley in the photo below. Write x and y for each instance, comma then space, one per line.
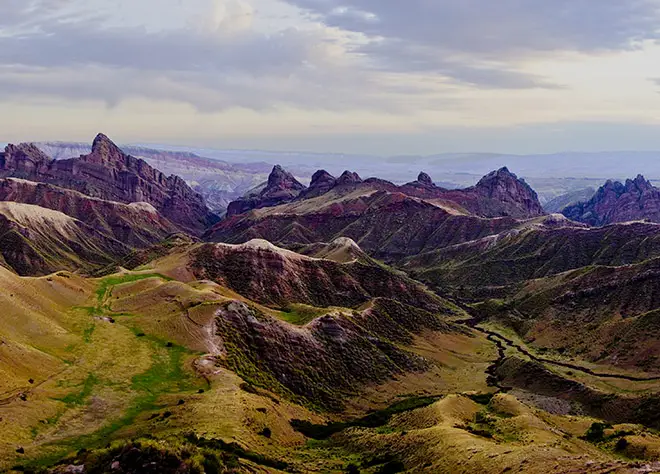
348, 325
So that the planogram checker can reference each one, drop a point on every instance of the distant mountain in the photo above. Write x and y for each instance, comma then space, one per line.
499, 194
389, 222
220, 182
558, 204
110, 174
282, 186
614, 202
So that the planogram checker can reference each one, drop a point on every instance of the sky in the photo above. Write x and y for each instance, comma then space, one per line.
381, 77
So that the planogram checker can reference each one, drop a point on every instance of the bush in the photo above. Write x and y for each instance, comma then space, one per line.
621, 444
596, 432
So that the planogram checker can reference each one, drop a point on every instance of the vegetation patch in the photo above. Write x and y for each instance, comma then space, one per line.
106, 285
372, 420
301, 314
79, 398
236, 450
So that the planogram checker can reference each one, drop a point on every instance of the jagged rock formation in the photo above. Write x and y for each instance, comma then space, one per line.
614, 202
110, 174
281, 187
349, 177
218, 181
424, 179
499, 193
322, 182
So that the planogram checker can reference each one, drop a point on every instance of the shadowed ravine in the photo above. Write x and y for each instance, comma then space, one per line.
502, 341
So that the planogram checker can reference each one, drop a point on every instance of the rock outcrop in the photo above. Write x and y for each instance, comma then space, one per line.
110, 174
322, 182
281, 187
500, 193
615, 202
349, 177
424, 179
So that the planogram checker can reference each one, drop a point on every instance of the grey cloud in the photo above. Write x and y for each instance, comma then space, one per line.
82, 60
450, 37
489, 27
404, 57
63, 44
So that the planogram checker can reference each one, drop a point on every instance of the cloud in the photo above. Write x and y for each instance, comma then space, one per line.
218, 62
483, 42
382, 55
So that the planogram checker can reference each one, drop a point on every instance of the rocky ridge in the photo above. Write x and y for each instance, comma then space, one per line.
637, 199
110, 174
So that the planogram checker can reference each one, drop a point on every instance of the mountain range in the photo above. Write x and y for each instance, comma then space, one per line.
340, 323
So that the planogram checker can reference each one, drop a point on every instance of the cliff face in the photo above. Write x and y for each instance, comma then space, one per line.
615, 202
110, 174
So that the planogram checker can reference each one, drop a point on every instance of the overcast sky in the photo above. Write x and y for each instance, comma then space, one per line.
367, 76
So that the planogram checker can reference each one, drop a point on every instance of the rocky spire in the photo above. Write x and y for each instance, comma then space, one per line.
105, 152
424, 179
505, 187
280, 179
639, 184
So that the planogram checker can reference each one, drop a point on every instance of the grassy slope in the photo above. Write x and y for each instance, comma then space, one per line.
121, 380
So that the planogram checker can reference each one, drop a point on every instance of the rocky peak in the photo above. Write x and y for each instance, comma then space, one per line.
281, 187
639, 184
23, 159
349, 177
105, 152
424, 179
504, 187
322, 182
321, 177
280, 179
109, 174
637, 199
503, 182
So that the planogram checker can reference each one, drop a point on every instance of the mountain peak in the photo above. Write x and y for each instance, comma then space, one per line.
281, 179
503, 185
425, 179
321, 183
349, 177
637, 199
640, 183
102, 144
